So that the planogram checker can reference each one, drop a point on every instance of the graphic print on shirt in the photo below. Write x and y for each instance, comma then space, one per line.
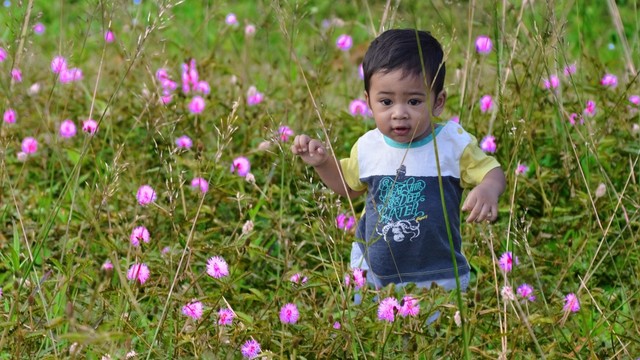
399, 202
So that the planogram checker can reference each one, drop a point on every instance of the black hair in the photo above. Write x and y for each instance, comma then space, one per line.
400, 49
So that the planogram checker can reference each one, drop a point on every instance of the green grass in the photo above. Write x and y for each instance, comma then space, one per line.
71, 206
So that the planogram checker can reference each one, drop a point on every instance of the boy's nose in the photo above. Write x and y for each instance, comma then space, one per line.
400, 113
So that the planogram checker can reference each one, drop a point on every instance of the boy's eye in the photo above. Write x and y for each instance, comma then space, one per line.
385, 102
415, 102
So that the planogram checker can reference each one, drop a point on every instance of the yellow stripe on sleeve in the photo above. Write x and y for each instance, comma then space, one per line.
475, 164
351, 170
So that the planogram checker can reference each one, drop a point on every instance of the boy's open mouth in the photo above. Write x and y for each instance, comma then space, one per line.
401, 130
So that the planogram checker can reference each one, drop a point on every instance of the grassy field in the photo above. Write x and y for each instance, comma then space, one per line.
233, 227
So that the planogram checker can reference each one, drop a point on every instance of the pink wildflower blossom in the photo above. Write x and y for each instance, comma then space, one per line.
359, 107
70, 75
9, 116
196, 106
361, 72
231, 19
201, 184
225, 316
387, 309
483, 44
109, 37
552, 83
525, 291
3, 54
22, 156
634, 99
16, 75
569, 70
410, 307
138, 234
358, 278
507, 261
90, 126
347, 279
193, 310
285, 132
217, 267
58, 64
241, 165
571, 303
522, 169
289, 314
67, 129
590, 109
184, 142
139, 272
345, 222
254, 97
203, 87
249, 30
507, 293
486, 103
609, 80
145, 195
298, 278
29, 145
344, 42
250, 349
572, 118
107, 266
337, 325
39, 28
488, 144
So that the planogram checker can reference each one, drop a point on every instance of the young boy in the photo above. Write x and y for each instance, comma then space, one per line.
402, 234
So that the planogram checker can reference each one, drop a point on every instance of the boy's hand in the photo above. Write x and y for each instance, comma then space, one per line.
482, 201
311, 151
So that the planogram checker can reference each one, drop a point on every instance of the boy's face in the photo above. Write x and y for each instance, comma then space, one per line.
403, 106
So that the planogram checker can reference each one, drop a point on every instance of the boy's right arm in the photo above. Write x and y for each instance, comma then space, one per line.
313, 152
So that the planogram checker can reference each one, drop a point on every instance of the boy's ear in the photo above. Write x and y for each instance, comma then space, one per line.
438, 105
366, 98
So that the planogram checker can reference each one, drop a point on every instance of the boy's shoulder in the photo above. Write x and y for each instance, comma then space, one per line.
452, 131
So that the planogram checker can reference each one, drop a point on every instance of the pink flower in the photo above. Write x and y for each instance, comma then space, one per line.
38, 28
225, 316
58, 64
217, 268
162, 74
196, 106
551, 83
109, 36
138, 272
3, 54
571, 303
410, 306
201, 184
522, 169
250, 349
90, 126
336, 325
289, 314
29, 145
139, 233
358, 278
298, 278
609, 80
145, 195
455, 119
231, 19
483, 45
359, 107
107, 266
249, 30
254, 97
184, 142
387, 309
22, 156
507, 293
67, 129
10, 116
70, 75
203, 87
166, 250
506, 261
345, 222
344, 42
634, 99
525, 291
486, 103
569, 70
16, 75
241, 165
285, 132
488, 144
361, 72
193, 310
590, 109
572, 118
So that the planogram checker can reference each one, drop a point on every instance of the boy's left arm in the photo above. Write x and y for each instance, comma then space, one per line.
482, 201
